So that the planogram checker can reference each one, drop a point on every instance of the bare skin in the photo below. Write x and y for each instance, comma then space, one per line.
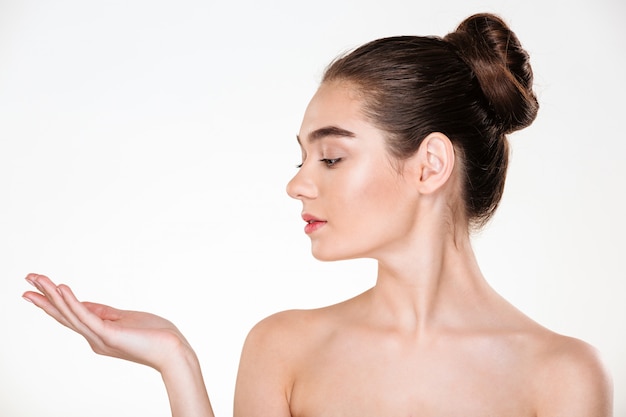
349, 361
131, 335
431, 338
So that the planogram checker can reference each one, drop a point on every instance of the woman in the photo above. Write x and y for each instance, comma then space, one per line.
404, 153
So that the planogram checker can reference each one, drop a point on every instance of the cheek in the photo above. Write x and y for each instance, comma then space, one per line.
373, 190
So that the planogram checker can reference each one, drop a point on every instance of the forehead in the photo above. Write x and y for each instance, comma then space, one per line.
334, 104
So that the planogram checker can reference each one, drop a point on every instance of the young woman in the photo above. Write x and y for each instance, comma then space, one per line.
404, 153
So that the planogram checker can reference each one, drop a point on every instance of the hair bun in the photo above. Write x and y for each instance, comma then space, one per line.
501, 66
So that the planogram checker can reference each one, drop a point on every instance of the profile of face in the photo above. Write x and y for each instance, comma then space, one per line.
357, 203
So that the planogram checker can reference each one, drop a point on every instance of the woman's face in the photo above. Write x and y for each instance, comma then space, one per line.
355, 201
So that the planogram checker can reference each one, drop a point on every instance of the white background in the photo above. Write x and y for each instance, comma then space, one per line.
145, 147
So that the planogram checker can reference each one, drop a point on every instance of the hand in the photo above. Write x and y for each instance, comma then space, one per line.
132, 335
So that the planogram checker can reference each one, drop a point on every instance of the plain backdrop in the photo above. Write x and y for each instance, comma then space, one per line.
145, 147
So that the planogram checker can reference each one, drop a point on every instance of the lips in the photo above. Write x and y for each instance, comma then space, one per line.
312, 223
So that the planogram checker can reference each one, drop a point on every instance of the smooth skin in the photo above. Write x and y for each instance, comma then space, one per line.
431, 338
132, 335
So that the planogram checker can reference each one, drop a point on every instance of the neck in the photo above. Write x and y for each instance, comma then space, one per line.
433, 281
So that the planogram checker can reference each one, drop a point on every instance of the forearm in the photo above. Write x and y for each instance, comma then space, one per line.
185, 387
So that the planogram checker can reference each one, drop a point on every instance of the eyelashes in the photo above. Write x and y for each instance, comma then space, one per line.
329, 162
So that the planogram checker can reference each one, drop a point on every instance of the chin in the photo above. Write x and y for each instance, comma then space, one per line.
330, 254
323, 256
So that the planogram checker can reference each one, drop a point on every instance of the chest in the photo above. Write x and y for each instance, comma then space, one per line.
352, 380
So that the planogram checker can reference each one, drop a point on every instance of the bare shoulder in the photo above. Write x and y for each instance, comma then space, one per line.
286, 331
271, 353
571, 379
293, 330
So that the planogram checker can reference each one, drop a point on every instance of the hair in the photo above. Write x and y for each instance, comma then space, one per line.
474, 85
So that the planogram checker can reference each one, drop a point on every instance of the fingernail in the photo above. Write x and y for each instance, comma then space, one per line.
27, 299
34, 284
59, 291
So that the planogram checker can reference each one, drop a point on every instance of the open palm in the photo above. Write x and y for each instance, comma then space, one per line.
132, 335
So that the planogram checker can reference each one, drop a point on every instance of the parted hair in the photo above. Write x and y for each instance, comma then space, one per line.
474, 85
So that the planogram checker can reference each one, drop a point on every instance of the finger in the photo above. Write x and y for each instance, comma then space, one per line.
86, 316
43, 303
54, 297
97, 318
32, 278
103, 311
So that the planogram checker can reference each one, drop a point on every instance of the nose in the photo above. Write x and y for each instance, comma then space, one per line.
302, 186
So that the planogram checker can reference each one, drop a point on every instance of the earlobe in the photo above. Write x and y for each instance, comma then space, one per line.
436, 154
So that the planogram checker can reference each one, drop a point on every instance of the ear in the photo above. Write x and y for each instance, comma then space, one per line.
435, 158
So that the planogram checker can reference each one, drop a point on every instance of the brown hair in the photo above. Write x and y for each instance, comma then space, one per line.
474, 85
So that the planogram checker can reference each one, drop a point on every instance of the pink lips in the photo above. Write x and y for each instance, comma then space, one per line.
313, 223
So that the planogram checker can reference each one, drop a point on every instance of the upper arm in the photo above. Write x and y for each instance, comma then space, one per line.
574, 383
264, 378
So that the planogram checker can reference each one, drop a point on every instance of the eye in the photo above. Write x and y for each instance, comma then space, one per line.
330, 162
299, 165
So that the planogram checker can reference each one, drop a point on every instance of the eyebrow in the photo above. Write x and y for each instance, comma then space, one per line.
327, 131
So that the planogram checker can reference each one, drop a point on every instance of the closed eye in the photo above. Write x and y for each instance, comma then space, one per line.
330, 162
